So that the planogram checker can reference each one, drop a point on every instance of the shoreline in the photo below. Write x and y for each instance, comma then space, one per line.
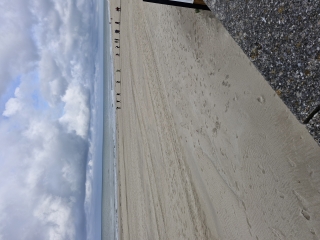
206, 149
115, 16
110, 202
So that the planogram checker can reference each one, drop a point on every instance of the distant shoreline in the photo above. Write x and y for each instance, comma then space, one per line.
110, 182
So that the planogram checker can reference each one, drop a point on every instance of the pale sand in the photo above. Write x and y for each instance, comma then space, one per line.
206, 149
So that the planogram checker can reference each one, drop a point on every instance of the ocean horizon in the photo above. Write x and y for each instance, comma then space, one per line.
109, 171
102, 221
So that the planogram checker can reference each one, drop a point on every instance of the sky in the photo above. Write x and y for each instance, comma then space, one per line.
49, 69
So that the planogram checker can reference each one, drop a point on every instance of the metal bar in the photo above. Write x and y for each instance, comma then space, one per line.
179, 4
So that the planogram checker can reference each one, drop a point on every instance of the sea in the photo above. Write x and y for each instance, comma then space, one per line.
101, 184
109, 156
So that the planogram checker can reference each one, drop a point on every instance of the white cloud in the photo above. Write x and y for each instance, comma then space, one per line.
17, 50
55, 215
50, 46
48, 163
12, 106
76, 111
53, 84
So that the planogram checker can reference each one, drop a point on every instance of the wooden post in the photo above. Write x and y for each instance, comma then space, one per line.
197, 4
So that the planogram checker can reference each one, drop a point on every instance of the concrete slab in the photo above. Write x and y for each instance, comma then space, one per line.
282, 39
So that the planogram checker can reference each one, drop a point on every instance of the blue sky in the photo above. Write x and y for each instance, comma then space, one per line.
48, 54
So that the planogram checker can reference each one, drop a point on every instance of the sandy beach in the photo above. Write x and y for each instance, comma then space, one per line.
206, 148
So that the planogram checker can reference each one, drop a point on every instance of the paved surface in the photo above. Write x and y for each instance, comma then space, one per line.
282, 39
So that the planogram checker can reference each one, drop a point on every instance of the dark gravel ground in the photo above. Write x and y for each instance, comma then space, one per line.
282, 39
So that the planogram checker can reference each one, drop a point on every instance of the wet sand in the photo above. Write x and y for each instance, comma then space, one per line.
206, 148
